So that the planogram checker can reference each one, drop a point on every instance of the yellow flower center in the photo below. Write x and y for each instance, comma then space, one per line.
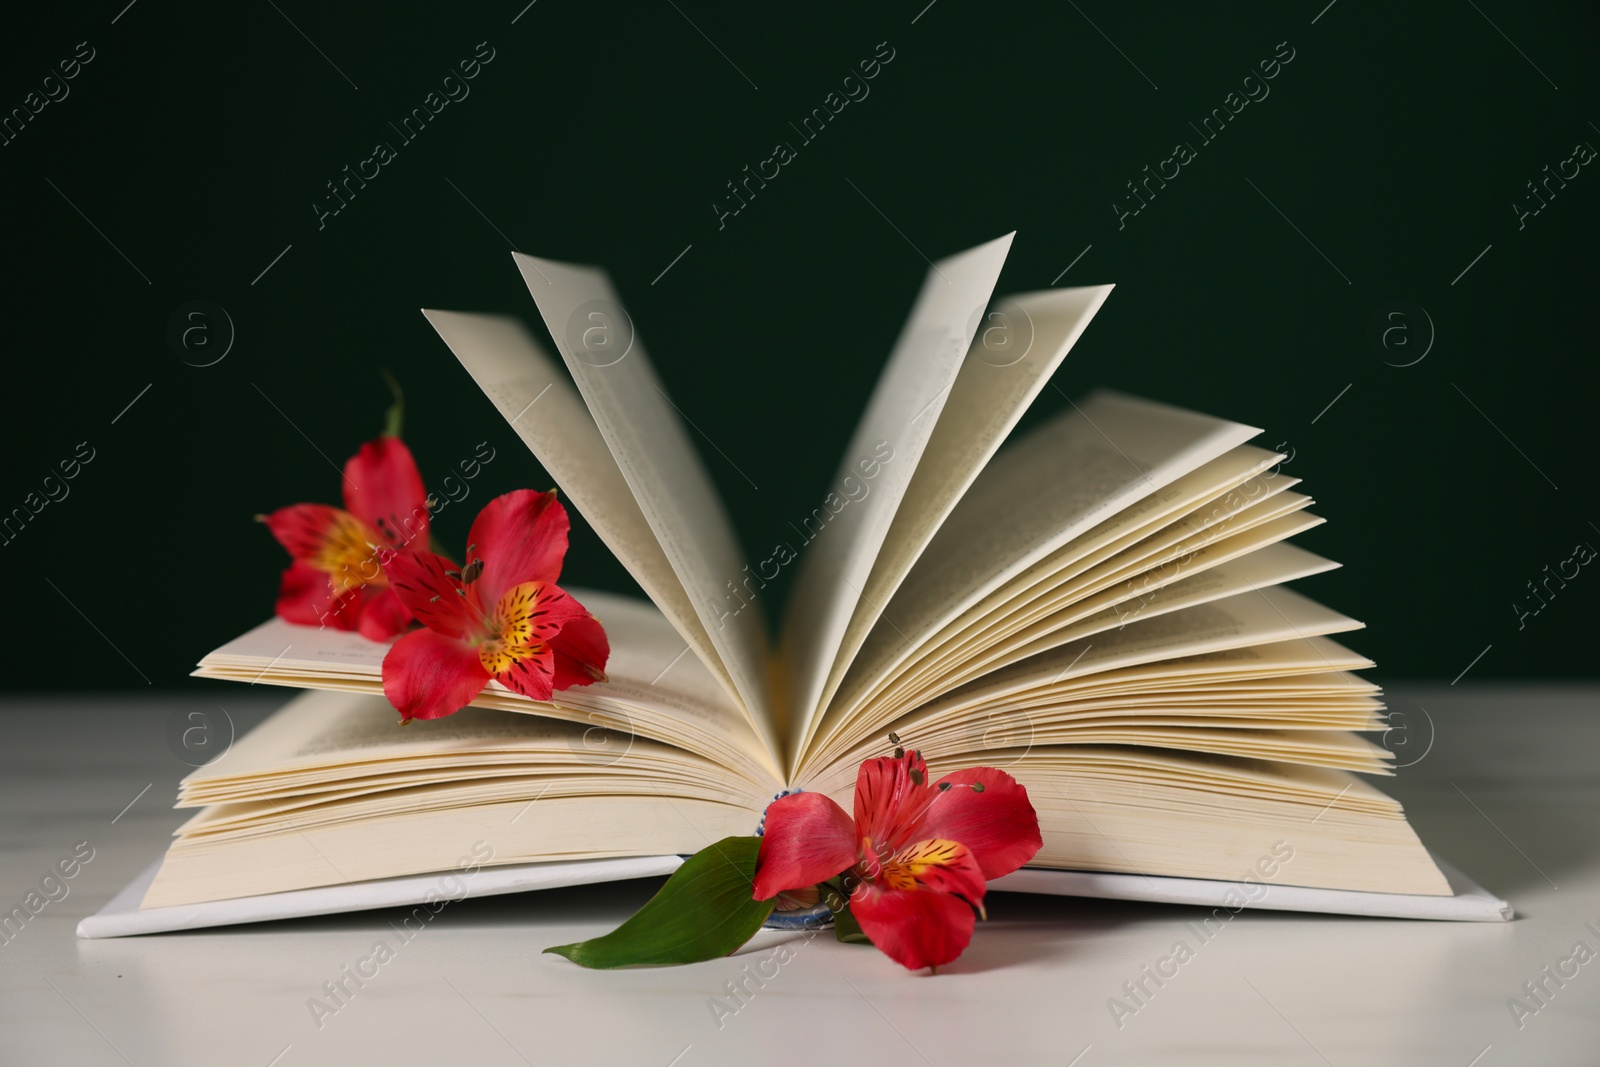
347, 554
904, 870
509, 639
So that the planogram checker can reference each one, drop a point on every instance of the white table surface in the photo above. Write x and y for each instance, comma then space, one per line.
1034, 987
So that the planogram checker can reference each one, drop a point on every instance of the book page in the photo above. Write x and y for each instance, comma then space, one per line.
1228, 574
1258, 617
325, 747
1241, 535
1194, 501
964, 742
1315, 661
1020, 345
352, 768
545, 410
1163, 812
890, 441
1035, 497
653, 688
646, 436
527, 828
330, 790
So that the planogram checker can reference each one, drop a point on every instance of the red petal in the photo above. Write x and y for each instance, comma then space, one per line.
999, 825
303, 529
521, 537
581, 651
383, 488
915, 927
331, 540
531, 671
891, 796
428, 675
382, 614
437, 600
305, 599
808, 839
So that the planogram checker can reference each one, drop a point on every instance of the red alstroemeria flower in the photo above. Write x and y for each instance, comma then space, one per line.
502, 616
337, 576
917, 853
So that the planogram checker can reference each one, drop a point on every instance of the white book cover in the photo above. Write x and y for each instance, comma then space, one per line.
122, 916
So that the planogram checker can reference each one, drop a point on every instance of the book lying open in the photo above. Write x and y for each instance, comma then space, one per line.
1100, 608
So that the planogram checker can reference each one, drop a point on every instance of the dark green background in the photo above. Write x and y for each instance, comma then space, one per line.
200, 135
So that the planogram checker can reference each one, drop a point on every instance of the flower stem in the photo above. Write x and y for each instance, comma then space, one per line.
395, 418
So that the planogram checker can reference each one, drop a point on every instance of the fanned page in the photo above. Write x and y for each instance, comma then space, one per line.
1194, 738
330, 791
544, 409
1081, 468
646, 437
1103, 615
1021, 343
890, 440
1125, 565
1035, 686
652, 689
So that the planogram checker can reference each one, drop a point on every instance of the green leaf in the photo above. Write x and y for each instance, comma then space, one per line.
704, 911
847, 930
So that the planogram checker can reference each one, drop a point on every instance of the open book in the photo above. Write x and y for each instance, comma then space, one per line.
1100, 608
